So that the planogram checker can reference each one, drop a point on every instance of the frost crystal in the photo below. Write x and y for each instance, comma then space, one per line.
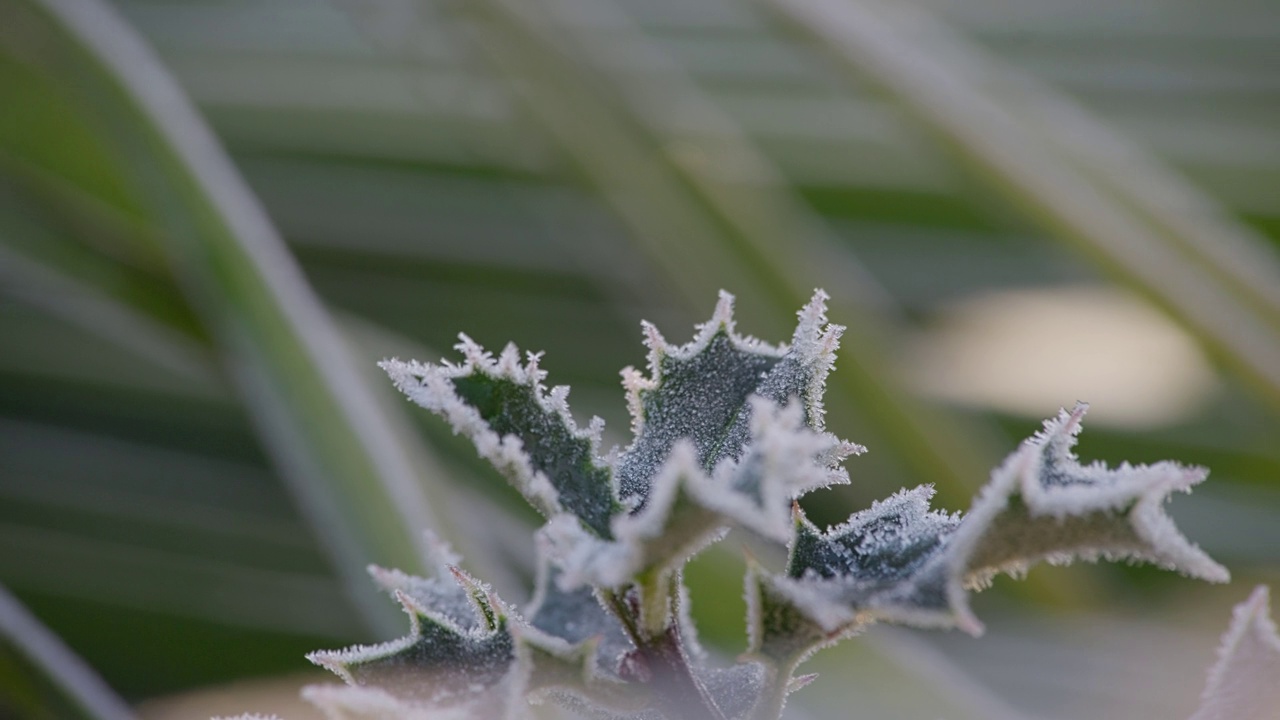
728, 432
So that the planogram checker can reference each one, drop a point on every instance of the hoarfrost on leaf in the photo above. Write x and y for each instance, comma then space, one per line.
575, 615
699, 391
901, 562
445, 660
520, 427
1245, 682
783, 461
728, 432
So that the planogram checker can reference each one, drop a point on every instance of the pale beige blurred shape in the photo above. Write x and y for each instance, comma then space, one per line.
1029, 352
270, 696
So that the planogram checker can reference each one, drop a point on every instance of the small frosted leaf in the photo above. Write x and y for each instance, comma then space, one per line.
879, 547
784, 460
576, 615
441, 592
668, 530
699, 391
1041, 504
1245, 682
519, 426
877, 563
687, 509
442, 662
558, 669
899, 561
734, 689
780, 624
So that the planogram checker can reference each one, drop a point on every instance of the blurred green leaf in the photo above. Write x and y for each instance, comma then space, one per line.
40, 677
355, 481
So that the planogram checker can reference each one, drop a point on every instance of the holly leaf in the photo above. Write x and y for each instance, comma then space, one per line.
446, 660
698, 392
575, 615
523, 429
470, 655
1245, 682
688, 508
900, 561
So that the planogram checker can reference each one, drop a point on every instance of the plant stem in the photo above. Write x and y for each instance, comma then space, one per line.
677, 691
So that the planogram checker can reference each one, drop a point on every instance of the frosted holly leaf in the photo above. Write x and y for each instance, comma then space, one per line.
657, 538
699, 391
1245, 682
783, 460
445, 661
441, 592
780, 627
468, 653
1042, 504
901, 562
689, 508
876, 561
523, 429
576, 615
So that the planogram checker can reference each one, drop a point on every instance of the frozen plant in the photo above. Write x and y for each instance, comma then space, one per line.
728, 433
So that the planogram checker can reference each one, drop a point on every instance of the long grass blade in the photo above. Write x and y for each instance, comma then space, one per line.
709, 208
356, 484
79, 686
891, 46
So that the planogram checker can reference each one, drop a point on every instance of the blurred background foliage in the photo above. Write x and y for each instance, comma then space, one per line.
1014, 205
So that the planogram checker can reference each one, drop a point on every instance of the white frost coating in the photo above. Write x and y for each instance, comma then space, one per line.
804, 596
1245, 682
431, 387
1041, 504
585, 559
815, 342
1048, 479
722, 319
784, 461
728, 432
